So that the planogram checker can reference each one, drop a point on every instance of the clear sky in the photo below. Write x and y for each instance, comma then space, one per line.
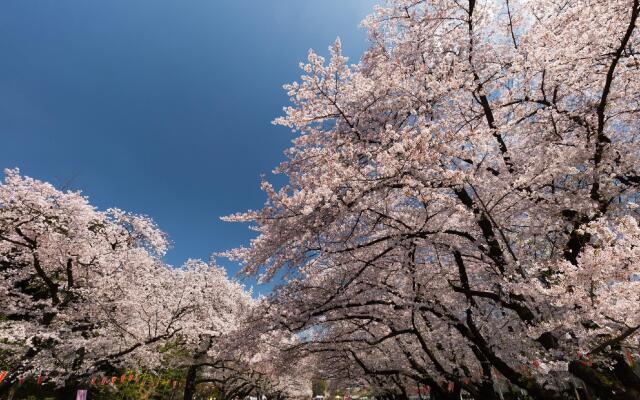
160, 107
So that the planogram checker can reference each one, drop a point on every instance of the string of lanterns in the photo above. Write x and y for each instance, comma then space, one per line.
98, 380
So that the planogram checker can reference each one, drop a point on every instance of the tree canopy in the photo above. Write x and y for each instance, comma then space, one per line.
459, 217
460, 205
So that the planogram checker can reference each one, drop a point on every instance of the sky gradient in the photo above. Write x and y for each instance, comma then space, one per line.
160, 107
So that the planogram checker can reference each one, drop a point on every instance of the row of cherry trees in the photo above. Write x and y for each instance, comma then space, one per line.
460, 215
461, 210
86, 293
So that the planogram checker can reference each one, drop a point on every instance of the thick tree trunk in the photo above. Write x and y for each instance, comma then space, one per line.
487, 391
625, 373
67, 392
192, 372
604, 385
5, 389
11, 393
190, 383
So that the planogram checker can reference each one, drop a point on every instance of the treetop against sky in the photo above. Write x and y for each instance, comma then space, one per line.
159, 107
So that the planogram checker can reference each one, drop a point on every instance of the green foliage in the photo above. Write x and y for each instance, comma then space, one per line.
319, 387
156, 385
149, 386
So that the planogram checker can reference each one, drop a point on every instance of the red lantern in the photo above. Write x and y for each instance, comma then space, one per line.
586, 357
450, 387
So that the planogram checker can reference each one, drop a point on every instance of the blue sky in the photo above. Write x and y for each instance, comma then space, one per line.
161, 107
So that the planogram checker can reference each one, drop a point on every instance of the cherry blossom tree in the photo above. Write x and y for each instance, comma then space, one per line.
461, 203
86, 291
221, 306
63, 264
